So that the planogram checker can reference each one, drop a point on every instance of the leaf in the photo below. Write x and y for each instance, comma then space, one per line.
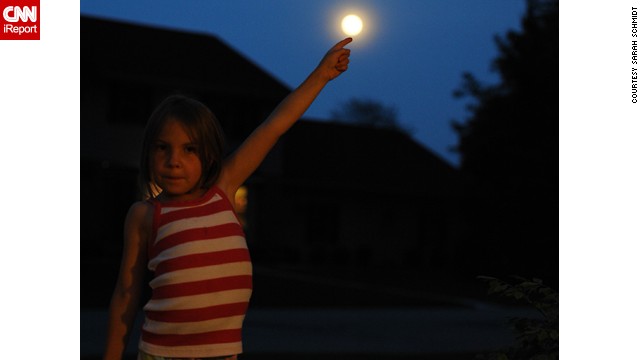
529, 284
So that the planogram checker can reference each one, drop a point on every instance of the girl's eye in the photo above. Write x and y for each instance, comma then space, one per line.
190, 149
161, 147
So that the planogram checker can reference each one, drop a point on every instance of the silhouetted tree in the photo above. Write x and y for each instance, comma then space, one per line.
368, 113
509, 151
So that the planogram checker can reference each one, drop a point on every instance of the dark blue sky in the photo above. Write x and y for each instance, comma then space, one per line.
411, 54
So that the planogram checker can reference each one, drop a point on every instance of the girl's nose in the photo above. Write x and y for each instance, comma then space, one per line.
173, 159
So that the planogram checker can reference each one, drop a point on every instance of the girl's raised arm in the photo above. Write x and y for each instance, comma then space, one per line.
244, 161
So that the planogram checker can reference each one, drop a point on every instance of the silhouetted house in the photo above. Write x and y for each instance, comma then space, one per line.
327, 193
360, 196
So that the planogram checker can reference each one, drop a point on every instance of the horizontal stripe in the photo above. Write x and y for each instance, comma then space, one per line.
219, 218
192, 351
199, 301
220, 336
202, 287
197, 247
193, 212
184, 236
202, 273
206, 313
184, 328
209, 286
203, 260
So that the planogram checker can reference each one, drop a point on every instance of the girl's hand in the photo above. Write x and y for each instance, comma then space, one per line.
335, 62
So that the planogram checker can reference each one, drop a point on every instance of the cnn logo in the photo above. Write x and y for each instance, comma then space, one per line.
15, 13
20, 20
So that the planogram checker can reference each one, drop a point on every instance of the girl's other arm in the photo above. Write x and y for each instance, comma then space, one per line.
126, 295
244, 161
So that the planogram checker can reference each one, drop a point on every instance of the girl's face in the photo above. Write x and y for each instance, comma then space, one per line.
175, 164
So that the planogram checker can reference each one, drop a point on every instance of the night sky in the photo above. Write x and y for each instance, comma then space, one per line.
410, 55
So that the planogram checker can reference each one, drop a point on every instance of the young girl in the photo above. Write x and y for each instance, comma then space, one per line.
187, 232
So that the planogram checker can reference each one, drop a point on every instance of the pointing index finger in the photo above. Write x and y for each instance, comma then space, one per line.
342, 44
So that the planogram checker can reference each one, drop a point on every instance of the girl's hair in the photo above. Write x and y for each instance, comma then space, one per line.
203, 129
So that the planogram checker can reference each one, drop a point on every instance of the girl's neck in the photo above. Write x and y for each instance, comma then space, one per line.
194, 194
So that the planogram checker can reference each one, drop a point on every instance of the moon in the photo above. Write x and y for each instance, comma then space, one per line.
352, 25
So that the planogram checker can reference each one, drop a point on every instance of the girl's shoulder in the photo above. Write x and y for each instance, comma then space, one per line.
142, 207
140, 215
228, 190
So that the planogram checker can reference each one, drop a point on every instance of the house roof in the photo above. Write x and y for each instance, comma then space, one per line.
122, 50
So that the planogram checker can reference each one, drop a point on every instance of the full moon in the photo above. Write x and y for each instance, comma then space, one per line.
351, 25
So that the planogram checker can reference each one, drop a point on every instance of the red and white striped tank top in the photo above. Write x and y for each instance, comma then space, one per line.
202, 279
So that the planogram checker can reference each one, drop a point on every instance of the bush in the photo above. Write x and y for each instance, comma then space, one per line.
537, 339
